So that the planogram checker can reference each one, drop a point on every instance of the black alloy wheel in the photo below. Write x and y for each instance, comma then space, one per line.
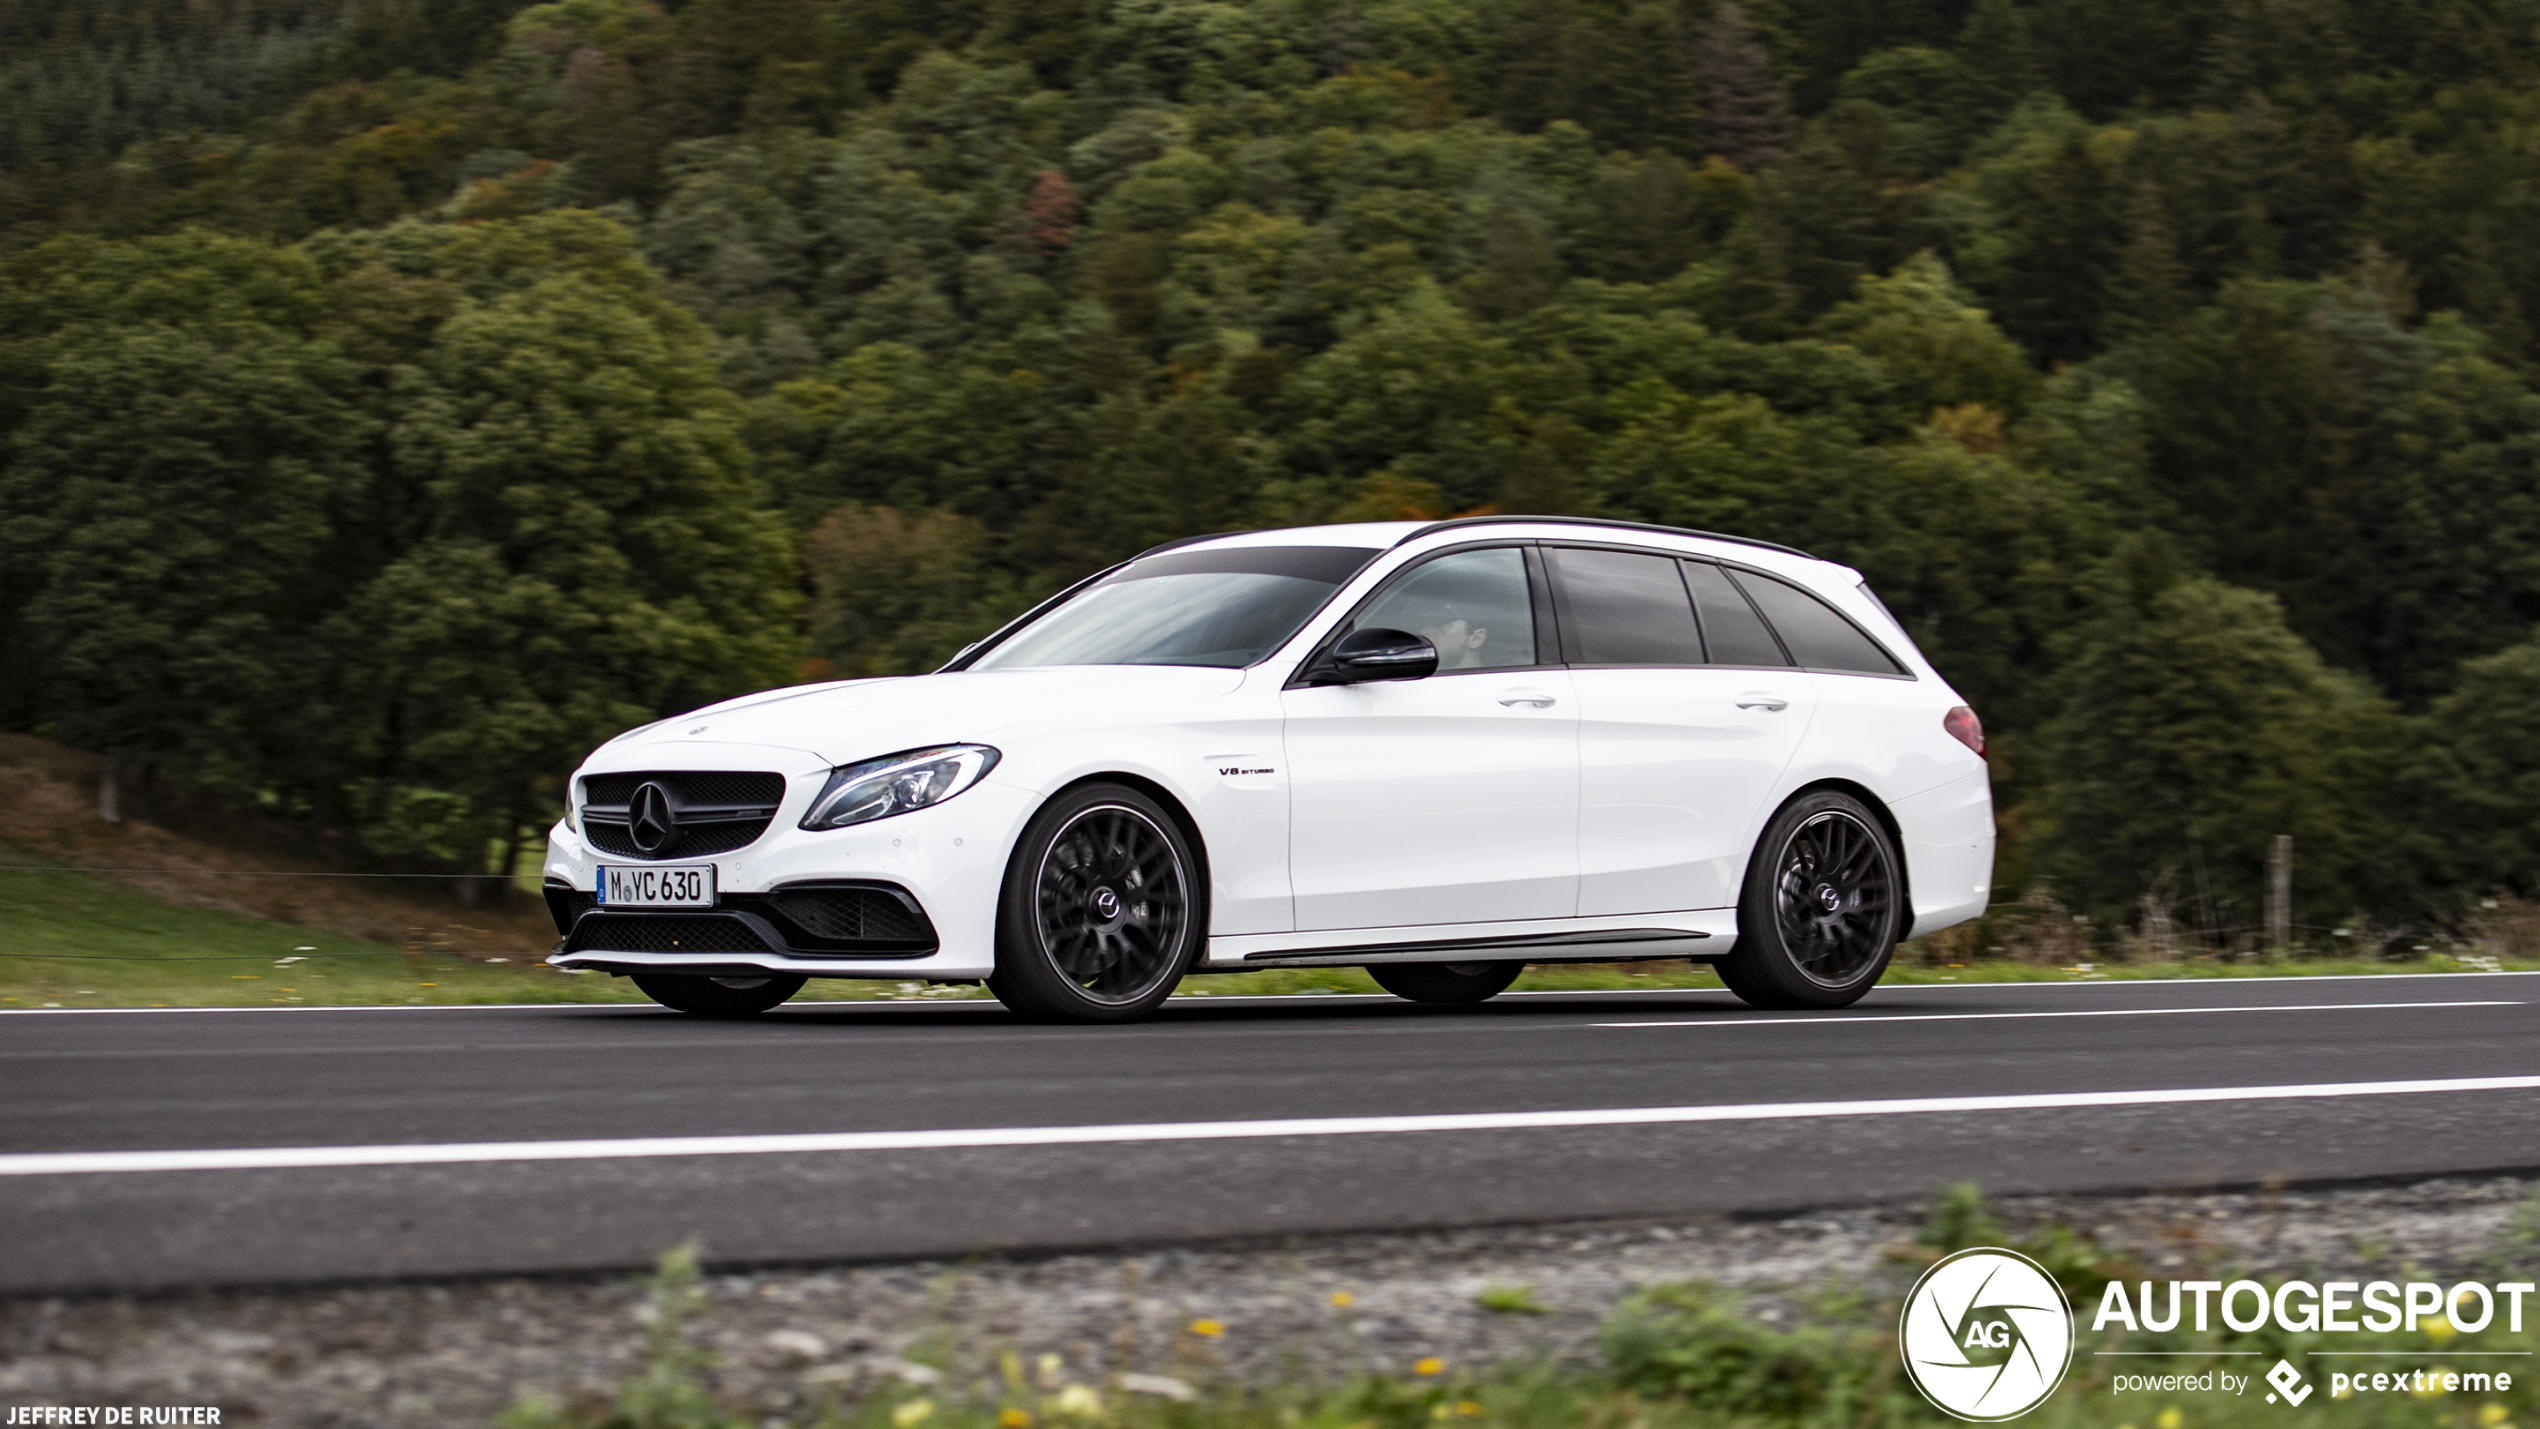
1822, 908
719, 996
1446, 983
1103, 910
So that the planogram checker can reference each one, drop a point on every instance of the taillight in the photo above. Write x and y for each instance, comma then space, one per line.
1964, 727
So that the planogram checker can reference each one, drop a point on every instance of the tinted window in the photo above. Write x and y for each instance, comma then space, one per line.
1626, 609
1474, 606
1737, 635
1212, 607
1818, 636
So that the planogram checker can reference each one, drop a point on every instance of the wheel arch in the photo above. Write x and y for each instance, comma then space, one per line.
1887, 820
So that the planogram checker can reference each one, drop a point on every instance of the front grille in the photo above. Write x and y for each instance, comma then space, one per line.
663, 933
859, 915
716, 811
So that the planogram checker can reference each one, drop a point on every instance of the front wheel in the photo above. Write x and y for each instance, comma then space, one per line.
1452, 983
1821, 908
719, 996
1103, 909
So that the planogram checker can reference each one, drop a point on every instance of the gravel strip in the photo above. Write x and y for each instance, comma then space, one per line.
787, 1340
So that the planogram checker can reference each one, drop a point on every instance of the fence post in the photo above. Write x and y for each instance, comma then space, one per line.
107, 806
2280, 893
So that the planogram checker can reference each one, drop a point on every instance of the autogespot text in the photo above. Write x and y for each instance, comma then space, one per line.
2299, 1307
2329, 1307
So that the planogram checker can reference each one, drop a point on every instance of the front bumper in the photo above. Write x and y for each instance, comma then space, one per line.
910, 897
820, 920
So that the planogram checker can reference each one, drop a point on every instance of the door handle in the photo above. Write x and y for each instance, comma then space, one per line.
1758, 700
1528, 699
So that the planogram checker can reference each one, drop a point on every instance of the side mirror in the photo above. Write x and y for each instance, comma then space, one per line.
1364, 655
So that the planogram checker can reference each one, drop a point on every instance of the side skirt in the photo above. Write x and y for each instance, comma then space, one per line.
1607, 945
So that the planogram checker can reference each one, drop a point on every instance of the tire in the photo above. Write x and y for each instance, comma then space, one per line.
1103, 910
1446, 983
1820, 912
719, 996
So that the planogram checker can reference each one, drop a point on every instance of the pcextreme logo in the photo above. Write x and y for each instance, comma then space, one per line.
1986, 1335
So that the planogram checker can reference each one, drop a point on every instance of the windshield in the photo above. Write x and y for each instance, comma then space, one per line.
1227, 608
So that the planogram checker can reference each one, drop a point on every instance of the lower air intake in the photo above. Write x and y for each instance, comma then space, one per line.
663, 933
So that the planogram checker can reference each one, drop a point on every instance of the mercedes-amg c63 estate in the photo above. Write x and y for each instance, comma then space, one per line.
1438, 751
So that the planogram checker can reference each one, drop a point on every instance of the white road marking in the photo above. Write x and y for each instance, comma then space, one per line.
272, 1157
1871, 1019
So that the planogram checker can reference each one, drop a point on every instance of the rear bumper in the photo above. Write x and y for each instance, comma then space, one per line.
1948, 851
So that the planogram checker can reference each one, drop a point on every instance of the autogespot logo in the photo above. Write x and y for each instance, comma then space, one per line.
1986, 1334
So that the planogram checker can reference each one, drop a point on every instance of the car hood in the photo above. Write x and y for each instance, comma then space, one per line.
861, 719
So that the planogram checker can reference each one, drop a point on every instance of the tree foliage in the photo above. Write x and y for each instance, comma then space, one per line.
394, 398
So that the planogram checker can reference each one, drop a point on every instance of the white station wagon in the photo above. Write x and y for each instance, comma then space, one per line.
1440, 752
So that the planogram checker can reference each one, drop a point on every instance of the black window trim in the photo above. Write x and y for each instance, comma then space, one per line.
1562, 602
1538, 589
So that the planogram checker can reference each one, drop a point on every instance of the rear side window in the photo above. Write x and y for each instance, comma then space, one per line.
1738, 635
1625, 609
1817, 634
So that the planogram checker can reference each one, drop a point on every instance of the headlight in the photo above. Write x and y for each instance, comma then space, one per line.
897, 783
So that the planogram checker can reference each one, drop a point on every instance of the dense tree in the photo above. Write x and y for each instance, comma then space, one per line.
2475, 778
178, 497
518, 351
2195, 729
589, 548
899, 594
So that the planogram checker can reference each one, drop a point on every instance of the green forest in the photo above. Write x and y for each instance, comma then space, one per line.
397, 398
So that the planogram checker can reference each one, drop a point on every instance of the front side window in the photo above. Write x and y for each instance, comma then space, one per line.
1474, 606
1625, 608
1227, 608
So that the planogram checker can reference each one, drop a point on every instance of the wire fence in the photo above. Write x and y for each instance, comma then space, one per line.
233, 872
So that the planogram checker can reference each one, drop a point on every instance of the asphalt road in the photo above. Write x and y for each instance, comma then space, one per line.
1756, 1112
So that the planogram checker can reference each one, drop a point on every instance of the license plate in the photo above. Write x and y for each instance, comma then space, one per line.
673, 885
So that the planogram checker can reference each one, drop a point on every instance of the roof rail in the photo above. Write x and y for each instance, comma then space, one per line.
1457, 522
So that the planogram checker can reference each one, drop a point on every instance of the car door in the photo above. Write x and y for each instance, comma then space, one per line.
1689, 711
1449, 799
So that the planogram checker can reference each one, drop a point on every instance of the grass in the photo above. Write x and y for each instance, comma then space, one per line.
1674, 1356
77, 940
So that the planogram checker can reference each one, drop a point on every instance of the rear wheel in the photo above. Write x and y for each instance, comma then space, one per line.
1821, 909
719, 996
1446, 982
1103, 909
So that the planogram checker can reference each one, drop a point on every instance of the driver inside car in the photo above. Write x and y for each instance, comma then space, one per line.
1472, 606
